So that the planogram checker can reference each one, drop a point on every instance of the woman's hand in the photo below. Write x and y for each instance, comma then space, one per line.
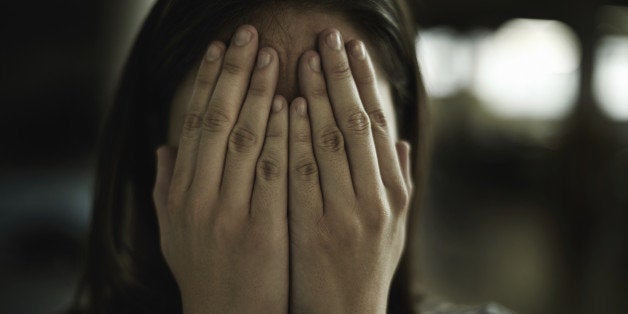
349, 188
222, 205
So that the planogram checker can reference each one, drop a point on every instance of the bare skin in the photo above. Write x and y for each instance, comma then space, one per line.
247, 160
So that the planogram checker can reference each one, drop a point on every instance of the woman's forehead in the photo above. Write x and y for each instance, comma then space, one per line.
291, 33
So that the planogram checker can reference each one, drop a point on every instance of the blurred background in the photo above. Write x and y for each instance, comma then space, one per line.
528, 192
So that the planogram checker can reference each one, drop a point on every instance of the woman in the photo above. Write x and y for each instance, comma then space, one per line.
281, 182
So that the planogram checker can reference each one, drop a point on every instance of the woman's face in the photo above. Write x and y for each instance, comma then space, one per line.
291, 33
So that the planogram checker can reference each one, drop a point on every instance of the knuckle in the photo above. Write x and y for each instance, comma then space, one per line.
379, 120
341, 71
191, 124
319, 92
226, 229
242, 139
358, 122
303, 136
268, 169
233, 67
263, 236
330, 139
204, 80
378, 217
307, 169
401, 195
350, 232
259, 89
194, 214
222, 230
216, 120
366, 78
275, 134
257, 238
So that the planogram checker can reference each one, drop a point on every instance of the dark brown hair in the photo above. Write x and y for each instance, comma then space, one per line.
125, 271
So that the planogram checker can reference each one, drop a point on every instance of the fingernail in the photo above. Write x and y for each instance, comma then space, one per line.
243, 37
263, 59
315, 63
213, 53
334, 41
277, 104
359, 52
301, 108
408, 146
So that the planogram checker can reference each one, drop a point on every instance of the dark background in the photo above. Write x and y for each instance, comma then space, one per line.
527, 212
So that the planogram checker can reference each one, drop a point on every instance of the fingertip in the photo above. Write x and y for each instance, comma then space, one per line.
244, 35
328, 31
403, 149
400, 149
266, 56
215, 51
278, 121
249, 27
311, 61
314, 63
220, 44
279, 102
406, 146
356, 49
330, 38
299, 106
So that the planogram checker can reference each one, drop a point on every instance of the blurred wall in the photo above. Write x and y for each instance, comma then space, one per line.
60, 60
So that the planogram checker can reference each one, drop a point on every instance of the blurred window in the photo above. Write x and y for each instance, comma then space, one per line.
529, 69
526, 69
610, 78
446, 60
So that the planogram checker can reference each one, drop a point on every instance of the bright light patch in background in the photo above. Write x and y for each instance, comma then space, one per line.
611, 76
446, 60
529, 69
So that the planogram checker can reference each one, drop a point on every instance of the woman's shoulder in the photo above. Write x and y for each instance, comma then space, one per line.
436, 306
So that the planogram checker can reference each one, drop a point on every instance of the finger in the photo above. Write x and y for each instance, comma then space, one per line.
247, 136
328, 141
188, 143
404, 149
364, 76
350, 115
400, 198
223, 108
165, 167
306, 201
269, 202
